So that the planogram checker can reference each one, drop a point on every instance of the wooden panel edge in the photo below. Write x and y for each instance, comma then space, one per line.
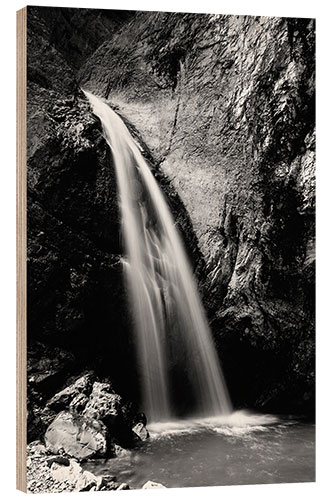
21, 246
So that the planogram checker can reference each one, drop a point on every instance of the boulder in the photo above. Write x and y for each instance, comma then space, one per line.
140, 431
123, 486
76, 436
107, 482
87, 481
140, 418
119, 451
37, 448
103, 404
151, 485
69, 474
74, 395
73, 475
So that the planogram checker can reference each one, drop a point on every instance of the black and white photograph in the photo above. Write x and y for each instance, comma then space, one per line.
170, 249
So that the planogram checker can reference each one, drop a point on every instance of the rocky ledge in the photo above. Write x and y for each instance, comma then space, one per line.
85, 420
49, 473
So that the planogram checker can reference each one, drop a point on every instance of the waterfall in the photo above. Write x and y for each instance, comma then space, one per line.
174, 342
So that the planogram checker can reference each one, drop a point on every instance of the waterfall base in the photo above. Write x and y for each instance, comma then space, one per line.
233, 450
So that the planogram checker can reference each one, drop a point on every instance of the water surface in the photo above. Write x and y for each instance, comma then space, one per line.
239, 449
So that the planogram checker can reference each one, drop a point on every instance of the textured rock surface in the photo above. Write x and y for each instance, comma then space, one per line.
73, 394
76, 436
86, 399
53, 474
73, 398
77, 309
73, 475
141, 431
69, 473
76, 33
102, 404
226, 104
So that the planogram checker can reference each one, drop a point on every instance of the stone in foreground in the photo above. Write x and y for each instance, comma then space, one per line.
103, 404
151, 485
69, 474
141, 431
76, 436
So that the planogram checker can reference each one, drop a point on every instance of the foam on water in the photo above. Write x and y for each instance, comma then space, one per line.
236, 423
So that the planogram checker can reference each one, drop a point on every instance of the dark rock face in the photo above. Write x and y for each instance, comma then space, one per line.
73, 397
226, 103
73, 228
74, 269
77, 33
78, 315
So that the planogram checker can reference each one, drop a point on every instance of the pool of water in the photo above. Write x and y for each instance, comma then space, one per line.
240, 449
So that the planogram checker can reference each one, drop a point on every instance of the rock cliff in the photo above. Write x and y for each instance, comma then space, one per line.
223, 107
77, 309
226, 104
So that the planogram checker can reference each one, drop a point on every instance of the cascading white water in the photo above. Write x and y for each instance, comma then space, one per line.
173, 335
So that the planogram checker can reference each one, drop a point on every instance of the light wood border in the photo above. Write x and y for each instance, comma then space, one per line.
21, 249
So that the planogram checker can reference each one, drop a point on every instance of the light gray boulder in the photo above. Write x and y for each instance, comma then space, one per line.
151, 485
76, 436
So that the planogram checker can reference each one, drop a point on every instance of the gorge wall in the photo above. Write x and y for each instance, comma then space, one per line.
77, 309
224, 109
226, 105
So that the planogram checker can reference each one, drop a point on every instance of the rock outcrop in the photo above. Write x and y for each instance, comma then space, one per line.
88, 419
77, 309
77, 437
141, 431
226, 104
77, 33
53, 474
103, 403
223, 107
